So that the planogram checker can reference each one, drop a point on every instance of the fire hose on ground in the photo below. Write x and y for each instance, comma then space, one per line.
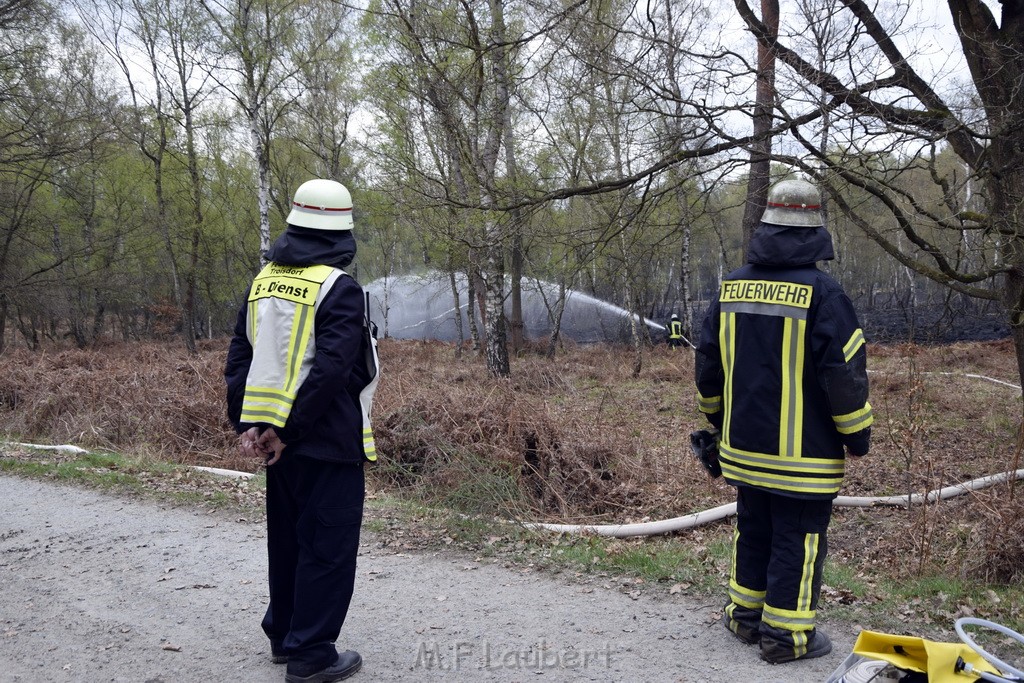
723, 511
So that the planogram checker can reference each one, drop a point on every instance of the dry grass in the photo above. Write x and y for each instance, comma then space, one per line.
144, 397
578, 438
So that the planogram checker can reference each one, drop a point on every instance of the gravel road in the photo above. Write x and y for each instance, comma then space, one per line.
103, 588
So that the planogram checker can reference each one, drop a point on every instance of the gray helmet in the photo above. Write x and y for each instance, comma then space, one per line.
793, 202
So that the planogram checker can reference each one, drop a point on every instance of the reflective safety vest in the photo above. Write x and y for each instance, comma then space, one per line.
675, 329
283, 302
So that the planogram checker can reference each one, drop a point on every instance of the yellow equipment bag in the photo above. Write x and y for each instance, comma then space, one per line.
911, 653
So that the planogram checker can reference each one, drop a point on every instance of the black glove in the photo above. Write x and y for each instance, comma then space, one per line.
705, 446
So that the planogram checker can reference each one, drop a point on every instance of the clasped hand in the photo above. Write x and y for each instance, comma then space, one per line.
266, 445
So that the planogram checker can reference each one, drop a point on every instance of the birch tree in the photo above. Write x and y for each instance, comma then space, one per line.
254, 66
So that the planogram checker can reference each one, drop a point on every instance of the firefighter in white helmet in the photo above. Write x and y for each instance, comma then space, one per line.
301, 371
781, 372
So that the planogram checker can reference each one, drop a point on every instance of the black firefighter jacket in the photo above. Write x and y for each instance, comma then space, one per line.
781, 368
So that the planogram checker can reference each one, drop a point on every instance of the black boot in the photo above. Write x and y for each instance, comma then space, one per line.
743, 622
347, 663
779, 646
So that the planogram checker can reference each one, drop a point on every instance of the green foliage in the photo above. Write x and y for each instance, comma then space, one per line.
105, 231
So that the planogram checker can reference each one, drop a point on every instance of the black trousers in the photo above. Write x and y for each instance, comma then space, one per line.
314, 513
779, 551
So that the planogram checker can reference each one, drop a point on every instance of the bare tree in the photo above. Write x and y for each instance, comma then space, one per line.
885, 100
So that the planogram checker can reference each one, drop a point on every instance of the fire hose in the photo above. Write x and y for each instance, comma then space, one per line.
1006, 669
696, 519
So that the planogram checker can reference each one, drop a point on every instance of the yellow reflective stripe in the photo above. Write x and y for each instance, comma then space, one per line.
855, 421
252, 315
266, 404
369, 446
803, 465
742, 601
297, 345
741, 595
269, 393
729, 610
786, 404
732, 564
282, 405
783, 483
745, 597
788, 619
800, 475
727, 342
856, 341
791, 421
264, 414
798, 384
800, 640
806, 592
709, 404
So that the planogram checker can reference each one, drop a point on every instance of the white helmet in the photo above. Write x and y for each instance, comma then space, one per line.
793, 202
322, 205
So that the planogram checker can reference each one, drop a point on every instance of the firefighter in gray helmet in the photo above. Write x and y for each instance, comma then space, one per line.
781, 372
301, 372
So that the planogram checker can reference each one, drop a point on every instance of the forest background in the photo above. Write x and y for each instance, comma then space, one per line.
149, 150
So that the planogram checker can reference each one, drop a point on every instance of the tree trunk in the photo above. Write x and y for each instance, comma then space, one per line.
261, 155
760, 151
494, 242
685, 295
458, 312
516, 324
471, 297
196, 188
556, 322
3, 322
1013, 298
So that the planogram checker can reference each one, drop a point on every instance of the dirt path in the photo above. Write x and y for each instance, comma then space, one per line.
99, 588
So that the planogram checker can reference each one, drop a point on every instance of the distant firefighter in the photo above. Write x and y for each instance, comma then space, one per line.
675, 332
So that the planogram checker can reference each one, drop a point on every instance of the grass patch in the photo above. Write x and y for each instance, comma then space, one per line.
139, 475
657, 560
107, 471
926, 606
